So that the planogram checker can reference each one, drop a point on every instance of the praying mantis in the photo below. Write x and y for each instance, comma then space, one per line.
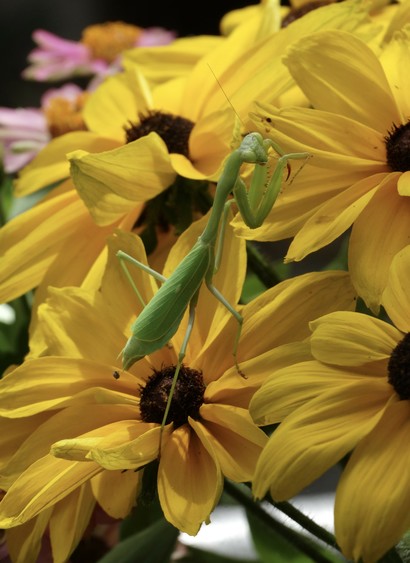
161, 317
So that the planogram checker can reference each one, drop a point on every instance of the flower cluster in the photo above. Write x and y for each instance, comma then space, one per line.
167, 356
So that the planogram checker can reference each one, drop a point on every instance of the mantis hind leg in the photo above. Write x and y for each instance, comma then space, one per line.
216, 293
124, 257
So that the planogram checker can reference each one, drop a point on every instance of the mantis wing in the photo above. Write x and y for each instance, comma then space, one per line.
160, 319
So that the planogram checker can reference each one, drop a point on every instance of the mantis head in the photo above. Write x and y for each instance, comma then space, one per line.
253, 149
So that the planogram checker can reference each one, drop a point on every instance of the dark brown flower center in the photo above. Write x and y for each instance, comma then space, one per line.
186, 400
296, 13
173, 130
399, 368
398, 148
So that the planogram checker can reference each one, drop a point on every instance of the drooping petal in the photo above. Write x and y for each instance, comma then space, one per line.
370, 256
189, 481
317, 435
65, 424
116, 491
51, 165
372, 499
111, 183
396, 298
352, 339
69, 521
236, 441
130, 445
334, 69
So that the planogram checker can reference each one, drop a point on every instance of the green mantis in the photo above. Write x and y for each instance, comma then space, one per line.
161, 317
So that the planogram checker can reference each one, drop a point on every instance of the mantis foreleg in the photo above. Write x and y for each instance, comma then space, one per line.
255, 216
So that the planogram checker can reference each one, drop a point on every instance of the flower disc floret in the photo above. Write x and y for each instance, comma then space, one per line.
174, 130
399, 368
186, 399
398, 148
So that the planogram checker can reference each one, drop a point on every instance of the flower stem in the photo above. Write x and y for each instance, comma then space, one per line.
307, 523
261, 266
294, 538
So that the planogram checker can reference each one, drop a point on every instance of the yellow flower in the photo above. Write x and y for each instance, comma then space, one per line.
353, 396
41, 246
358, 135
97, 425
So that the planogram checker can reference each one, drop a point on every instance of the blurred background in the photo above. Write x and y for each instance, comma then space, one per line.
19, 18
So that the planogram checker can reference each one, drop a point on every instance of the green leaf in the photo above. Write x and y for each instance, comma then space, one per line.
153, 545
271, 546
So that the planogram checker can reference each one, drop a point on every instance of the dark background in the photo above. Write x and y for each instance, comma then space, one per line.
19, 18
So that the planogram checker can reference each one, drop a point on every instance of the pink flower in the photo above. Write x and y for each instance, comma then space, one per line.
96, 53
25, 131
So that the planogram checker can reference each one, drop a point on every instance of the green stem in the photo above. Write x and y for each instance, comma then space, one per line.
306, 523
294, 538
261, 266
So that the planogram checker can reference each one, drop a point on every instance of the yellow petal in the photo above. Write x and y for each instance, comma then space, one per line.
31, 241
292, 303
337, 70
51, 165
15, 432
232, 389
69, 521
65, 424
317, 435
236, 441
43, 484
370, 257
403, 184
71, 323
396, 299
352, 339
176, 59
49, 383
111, 183
124, 483
24, 541
117, 101
372, 499
291, 387
130, 446
189, 481
334, 217
398, 49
